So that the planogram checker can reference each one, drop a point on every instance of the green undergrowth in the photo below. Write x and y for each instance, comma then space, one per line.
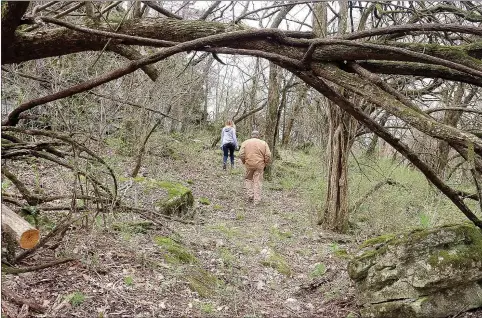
278, 262
410, 203
175, 252
203, 282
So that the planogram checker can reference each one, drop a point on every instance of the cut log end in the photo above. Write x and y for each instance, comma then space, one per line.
29, 239
18, 229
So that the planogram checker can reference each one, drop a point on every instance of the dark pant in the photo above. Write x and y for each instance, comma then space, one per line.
230, 147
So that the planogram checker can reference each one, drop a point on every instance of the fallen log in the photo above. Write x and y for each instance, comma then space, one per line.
24, 234
19, 300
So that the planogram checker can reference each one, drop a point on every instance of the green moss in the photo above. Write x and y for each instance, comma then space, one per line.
174, 189
178, 200
204, 201
176, 252
202, 282
230, 232
462, 255
277, 262
318, 271
207, 308
139, 179
240, 216
378, 240
228, 258
342, 253
133, 227
75, 299
277, 233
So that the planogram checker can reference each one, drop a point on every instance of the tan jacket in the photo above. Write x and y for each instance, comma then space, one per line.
255, 153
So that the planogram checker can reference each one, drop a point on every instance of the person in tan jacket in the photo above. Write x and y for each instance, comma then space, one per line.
255, 155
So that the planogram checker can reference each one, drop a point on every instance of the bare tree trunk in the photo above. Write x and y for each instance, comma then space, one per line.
302, 90
341, 133
142, 150
252, 95
272, 113
136, 10
273, 97
372, 147
451, 118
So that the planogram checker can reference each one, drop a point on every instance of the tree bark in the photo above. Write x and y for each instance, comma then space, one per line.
341, 133
451, 118
272, 112
61, 41
273, 98
11, 16
24, 234
301, 95
311, 79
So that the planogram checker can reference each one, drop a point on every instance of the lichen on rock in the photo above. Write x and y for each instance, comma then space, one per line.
414, 274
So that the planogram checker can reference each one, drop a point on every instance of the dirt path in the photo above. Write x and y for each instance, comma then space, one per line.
242, 261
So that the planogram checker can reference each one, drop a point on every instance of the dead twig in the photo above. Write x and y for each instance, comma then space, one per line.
315, 283
13, 270
19, 300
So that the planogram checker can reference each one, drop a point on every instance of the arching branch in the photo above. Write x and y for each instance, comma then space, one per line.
161, 10
363, 118
459, 109
210, 10
13, 117
132, 54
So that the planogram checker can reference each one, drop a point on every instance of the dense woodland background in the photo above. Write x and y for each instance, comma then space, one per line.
372, 109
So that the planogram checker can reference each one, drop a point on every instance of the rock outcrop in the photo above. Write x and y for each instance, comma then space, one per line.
422, 274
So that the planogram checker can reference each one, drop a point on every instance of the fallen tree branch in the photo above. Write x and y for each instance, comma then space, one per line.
62, 226
30, 198
13, 117
132, 54
375, 188
24, 234
459, 109
327, 277
161, 10
13, 270
19, 300
75, 144
425, 27
12, 13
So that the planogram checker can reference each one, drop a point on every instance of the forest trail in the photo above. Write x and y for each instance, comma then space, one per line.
236, 261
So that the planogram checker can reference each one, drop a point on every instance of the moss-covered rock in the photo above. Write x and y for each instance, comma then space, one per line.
411, 274
178, 201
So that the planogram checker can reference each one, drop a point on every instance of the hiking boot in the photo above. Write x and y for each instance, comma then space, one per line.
224, 166
232, 166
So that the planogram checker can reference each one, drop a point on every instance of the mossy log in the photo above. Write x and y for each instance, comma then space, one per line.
179, 199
